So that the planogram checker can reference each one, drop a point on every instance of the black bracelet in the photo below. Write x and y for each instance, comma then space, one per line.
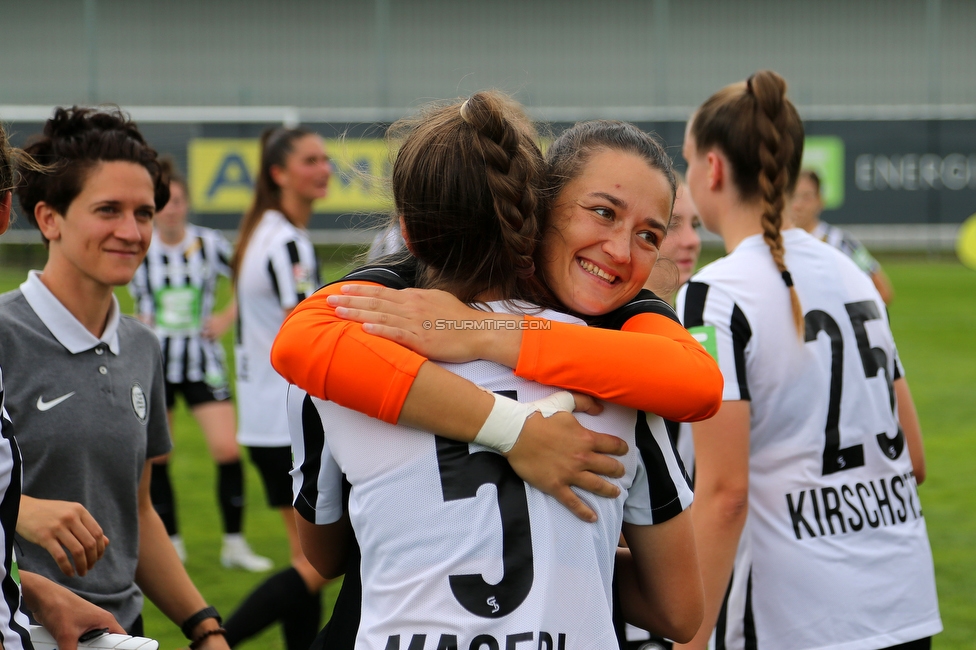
207, 612
206, 635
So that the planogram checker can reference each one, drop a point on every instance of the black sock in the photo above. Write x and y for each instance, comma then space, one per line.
282, 597
230, 492
301, 623
161, 494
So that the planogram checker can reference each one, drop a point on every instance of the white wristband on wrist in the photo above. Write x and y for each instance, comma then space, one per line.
558, 401
504, 424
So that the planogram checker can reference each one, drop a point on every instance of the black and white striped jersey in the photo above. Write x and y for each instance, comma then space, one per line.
834, 554
14, 626
388, 241
278, 271
176, 287
846, 243
456, 549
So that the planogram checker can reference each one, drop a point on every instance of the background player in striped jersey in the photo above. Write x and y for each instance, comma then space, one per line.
85, 384
175, 290
804, 209
274, 269
804, 492
441, 220
64, 614
680, 249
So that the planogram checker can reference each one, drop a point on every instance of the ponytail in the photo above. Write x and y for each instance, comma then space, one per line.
75, 140
760, 132
276, 144
775, 153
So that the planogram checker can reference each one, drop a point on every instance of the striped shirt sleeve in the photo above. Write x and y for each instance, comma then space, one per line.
316, 477
899, 368
293, 271
661, 488
722, 327
224, 252
140, 292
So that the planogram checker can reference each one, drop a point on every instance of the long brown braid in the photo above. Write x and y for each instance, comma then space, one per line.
760, 132
467, 183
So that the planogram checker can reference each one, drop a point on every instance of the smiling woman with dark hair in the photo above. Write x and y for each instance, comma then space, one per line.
86, 383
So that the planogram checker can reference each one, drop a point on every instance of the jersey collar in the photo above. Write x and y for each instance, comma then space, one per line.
757, 241
62, 323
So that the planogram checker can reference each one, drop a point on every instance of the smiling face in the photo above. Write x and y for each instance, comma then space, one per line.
306, 171
103, 235
607, 225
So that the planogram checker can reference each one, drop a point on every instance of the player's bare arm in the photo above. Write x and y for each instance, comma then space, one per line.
721, 503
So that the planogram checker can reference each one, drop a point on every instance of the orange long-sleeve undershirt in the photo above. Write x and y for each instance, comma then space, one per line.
654, 364
335, 359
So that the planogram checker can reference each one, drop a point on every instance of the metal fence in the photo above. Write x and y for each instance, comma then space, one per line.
551, 53
885, 86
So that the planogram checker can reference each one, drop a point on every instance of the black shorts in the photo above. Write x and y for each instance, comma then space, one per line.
196, 393
274, 464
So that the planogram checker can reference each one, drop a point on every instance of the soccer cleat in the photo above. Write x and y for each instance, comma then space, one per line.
42, 640
237, 553
180, 547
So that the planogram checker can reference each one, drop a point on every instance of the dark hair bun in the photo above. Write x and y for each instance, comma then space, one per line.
74, 141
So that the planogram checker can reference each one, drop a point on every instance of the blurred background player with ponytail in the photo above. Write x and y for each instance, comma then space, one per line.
274, 268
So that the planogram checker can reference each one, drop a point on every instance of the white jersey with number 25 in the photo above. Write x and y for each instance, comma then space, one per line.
834, 554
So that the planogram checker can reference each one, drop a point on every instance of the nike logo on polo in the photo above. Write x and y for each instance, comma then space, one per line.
46, 406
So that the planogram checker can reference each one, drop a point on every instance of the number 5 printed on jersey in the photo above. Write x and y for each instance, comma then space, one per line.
462, 473
873, 360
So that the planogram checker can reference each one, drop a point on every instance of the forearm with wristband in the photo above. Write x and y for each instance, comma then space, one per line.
190, 624
504, 424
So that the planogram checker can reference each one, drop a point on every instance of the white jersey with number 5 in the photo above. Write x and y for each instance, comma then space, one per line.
457, 551
835, 553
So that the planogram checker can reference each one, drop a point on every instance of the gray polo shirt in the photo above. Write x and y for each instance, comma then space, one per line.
87, 414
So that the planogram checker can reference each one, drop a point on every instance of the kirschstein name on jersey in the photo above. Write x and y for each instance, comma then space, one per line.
834, 554
519, 641
854, 507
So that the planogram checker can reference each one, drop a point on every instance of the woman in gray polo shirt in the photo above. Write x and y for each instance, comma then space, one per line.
65, 615
85, 384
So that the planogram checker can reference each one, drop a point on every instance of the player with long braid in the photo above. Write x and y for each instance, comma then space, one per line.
806, 512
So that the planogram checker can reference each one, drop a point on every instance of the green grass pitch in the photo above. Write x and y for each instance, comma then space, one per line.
934, 321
